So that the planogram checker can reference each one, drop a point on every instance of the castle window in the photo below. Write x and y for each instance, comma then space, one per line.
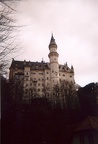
38, 84
33, 73
48, 94
39, 79
26, 85
41, 73
26, 73
59, 74
38, 89
47, 78
16, 68
47, 72
63, 75
70, 75
36, 67
26, 91
42, 84
34, 84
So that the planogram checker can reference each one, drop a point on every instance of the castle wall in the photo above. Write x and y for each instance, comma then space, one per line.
39, 78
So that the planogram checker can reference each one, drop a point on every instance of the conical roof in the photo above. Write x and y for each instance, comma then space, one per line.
52, 41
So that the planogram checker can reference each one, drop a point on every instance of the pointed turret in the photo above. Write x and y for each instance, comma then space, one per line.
66, 64
72, 67
54, 66
52, 42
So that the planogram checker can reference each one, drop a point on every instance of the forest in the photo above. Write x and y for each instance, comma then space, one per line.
41, 120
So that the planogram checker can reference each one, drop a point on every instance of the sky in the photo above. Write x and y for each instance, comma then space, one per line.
74, 24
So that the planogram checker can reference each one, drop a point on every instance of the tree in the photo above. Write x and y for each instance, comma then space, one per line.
8, 30
16, 88
88, 99
66, 95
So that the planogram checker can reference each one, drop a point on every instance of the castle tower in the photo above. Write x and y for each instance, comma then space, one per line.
54, 66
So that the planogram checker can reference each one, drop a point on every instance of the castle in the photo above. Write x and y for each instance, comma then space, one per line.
41, 77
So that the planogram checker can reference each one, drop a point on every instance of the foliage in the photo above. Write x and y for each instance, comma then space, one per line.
16, 89
88, 99
66, 95
42, 121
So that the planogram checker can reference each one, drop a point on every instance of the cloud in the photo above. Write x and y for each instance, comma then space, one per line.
75, 27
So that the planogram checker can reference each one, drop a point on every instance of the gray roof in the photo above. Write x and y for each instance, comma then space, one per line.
38, 65
33, 65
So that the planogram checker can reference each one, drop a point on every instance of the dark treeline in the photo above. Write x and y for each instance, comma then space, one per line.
41, 121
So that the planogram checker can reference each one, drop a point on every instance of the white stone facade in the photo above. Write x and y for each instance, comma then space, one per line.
39, 78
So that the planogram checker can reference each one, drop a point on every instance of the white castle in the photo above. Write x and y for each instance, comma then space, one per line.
40, 77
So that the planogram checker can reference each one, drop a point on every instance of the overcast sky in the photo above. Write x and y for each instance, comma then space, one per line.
74, 24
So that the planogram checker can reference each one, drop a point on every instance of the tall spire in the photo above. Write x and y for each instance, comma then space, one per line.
72, 67
52, 41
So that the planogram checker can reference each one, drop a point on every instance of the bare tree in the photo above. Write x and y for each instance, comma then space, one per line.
8, 34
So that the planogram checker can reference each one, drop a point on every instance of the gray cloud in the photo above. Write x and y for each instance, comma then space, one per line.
75, 27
